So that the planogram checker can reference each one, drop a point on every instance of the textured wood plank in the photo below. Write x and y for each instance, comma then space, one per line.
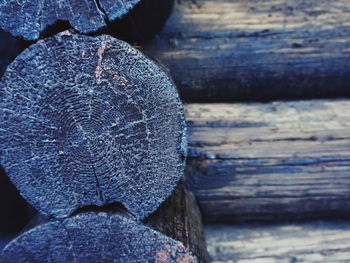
313, 242
95, 237
270, 161
234, 50
86, 121
179, 218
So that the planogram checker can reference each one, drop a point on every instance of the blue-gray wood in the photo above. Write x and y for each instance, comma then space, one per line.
272, 161
303, 242
95, 237
179, 217
29, 18
90, 121
239, 50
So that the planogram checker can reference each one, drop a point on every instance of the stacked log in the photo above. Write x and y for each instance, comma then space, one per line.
270, 161
135, 20
85, 127
252, 50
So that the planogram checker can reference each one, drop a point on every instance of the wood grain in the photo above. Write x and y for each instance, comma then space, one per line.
86, 121
280, 160
95, 237
179, 218
245, 50
312, 242
29, 18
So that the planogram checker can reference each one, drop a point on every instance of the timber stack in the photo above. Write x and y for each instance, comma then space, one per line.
94, 135
85, 124
265, 174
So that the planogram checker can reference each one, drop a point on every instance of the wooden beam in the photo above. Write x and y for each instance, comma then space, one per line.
245, 50
311, 242
34, 19
179, 217
95, 237
280, 160
90, 121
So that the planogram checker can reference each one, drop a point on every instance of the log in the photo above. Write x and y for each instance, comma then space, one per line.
95, 237
86, 121
311, 242
179, 217
36, 19
273, 161
252, 50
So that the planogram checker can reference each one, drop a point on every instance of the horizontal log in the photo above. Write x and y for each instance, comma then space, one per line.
311, 242
95, 237
179, 217
136, 20
240, 50
85, 121
280, 160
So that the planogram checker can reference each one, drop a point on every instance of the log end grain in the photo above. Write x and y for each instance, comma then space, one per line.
95, 237
90, 121
32, 20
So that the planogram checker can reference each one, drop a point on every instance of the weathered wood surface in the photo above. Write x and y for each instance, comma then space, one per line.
90, 121
31, 18
234, 50
179, 217
279, 160
95, 237
312, 242
4, 240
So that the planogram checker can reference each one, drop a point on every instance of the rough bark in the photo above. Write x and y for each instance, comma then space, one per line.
311, 242
32, 19
281, 160
239, 50
95, 237
179, 217
90, 121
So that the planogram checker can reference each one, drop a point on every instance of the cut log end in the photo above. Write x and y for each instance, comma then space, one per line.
95, 237
90, 121
34, 19
28, 19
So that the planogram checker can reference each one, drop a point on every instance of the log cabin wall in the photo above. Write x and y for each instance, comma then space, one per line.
250, 163
252, 50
